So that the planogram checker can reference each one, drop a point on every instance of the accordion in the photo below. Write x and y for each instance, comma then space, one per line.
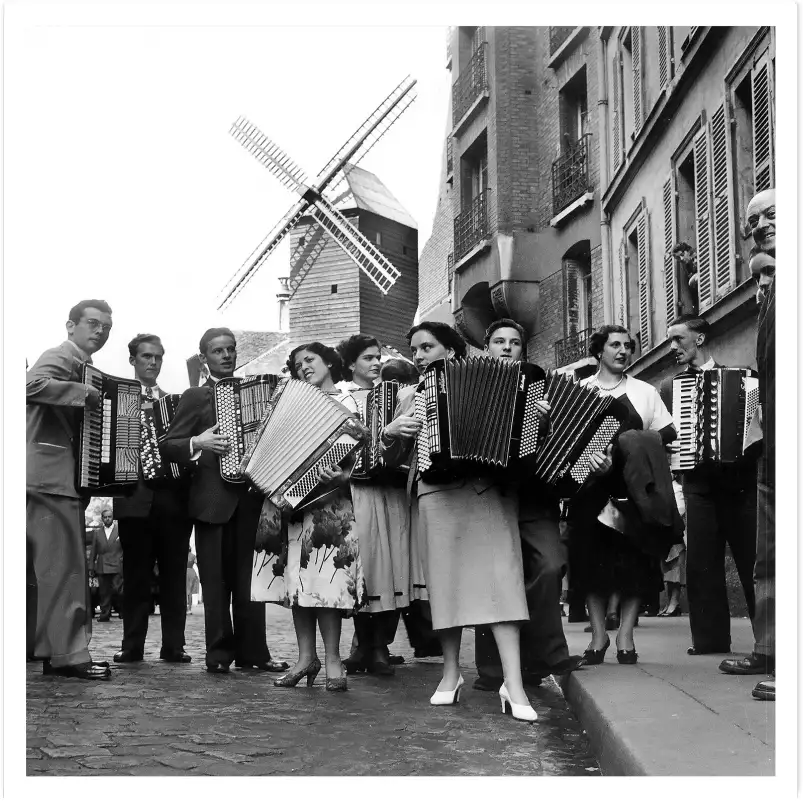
109, 436
155, 421
712, 410
240, 403
375, 410
479, 413
304, 431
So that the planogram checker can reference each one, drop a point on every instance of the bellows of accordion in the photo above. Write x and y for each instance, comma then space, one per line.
480, 413
303, 431
712, 410
109, 436
240, 404
376, 411
155, 422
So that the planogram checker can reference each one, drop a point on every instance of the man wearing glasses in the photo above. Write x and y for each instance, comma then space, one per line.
55, 397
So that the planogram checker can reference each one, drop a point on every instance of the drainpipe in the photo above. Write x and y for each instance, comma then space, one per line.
604, 222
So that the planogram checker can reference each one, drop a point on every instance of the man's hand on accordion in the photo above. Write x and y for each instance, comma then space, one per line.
331, 475
210, 441
92, 400
403, 426
601, 462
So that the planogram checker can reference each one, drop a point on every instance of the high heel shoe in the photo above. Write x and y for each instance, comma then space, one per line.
448, 697
597, 656
523, 712
338, 684
290, 679
627, 656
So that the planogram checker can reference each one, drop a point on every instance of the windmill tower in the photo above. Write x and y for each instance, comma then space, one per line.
316, 206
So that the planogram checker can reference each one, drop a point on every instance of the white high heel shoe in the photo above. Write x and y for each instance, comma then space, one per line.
448, 697
524, 712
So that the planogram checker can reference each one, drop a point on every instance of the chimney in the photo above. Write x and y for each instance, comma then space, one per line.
283, 297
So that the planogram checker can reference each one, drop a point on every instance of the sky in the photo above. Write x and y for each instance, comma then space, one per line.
126, 185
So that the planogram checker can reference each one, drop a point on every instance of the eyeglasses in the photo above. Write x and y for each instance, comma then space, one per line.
95, 324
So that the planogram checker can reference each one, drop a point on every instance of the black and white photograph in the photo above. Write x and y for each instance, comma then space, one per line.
400, 396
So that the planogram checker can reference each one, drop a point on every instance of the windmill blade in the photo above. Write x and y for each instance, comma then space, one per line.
269, 154
262, 252
369, 143
356, 140
304, 257
369, 259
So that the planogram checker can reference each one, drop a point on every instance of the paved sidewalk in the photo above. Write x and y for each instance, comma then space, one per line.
672, 714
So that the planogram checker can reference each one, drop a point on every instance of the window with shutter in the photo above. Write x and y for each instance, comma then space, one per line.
702, 213
644, 295
665, 59
722, 198
638, 103
617, 115
623, 301
763, 150
670, 279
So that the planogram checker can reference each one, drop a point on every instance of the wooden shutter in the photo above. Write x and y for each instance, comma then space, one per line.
624, 309
702, 214
724, 272
644, 294
638, 104
763, 145
670, 277
665, 59
617, 116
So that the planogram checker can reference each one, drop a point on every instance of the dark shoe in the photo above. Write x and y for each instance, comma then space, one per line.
714, 651
86, 671
765, 690
217, 668
264, 666
127, 657
355, 664
484, 683
175, 656
568, 665
379, 663
592, 657
612, 621
673, 612
587, 629
753, 664
104, 618
290, 679
396, 660
430, 651
627, 656
649, 612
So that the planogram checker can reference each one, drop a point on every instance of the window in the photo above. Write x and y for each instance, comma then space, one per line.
635, 254
378, 238
685, 228
334, 289
666, 60
573, 108
577, 291
474, 171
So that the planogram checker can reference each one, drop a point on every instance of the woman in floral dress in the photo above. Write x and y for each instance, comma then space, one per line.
323, 577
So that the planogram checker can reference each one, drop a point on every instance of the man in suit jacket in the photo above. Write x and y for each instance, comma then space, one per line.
54, 522
154, 528
109, 565
720, 508
225, 515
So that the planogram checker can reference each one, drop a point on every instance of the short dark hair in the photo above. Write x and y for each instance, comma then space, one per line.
599, 338
679, 247
211, 334
400, 370
136, 342
351, 348
446, 335
505, 323
326, 353
78, 310
695, 323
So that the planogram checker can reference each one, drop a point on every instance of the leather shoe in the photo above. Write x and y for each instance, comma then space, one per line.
567, 665
175, 656
217, 668
714, 651
396, 660
85, 671
127, 657
104, 618
264, 666
753, 664
765, 690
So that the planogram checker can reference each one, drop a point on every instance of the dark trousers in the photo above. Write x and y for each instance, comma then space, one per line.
543, 643
764, 571
716, 516
225, 556
164, 540
375, 631
111, 593
418, 624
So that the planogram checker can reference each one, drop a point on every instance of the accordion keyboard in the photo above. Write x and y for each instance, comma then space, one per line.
685, 400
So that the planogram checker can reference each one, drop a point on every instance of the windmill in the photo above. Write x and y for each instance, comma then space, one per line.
319, 200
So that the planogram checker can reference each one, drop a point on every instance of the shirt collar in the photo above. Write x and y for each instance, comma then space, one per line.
156, 390
79, 351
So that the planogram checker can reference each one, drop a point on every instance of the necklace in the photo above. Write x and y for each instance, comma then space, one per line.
613, 387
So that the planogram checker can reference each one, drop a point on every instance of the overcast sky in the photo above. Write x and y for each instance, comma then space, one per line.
126, 185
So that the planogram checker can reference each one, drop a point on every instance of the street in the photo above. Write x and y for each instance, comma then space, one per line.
155, 718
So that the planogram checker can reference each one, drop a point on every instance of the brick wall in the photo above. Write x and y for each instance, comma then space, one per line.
541, 345
597, 306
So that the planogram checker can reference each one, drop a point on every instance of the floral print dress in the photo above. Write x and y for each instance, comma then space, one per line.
314, 562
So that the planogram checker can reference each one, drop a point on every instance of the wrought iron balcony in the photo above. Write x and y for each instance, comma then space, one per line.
449, 158
572, 348
570, 175
471, 227
473, 81
557, 36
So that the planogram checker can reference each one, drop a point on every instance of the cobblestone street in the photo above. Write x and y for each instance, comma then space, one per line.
155, 718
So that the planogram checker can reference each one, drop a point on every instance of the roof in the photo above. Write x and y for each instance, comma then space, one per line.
251, 345
371, 195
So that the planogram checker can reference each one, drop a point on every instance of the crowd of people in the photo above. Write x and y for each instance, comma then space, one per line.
476, 549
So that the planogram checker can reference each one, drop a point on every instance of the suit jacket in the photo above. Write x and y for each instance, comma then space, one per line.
765, 361
55, 397
108, 553
211, 498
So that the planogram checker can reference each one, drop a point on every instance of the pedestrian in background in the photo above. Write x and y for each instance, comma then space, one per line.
193, 586
109, 565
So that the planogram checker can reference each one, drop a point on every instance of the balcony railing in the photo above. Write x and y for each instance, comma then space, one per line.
449, 156
557, 36
570, 175
572, 348
473, 81
471, 227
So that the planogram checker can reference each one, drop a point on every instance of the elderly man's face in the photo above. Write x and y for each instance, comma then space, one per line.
761, 220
